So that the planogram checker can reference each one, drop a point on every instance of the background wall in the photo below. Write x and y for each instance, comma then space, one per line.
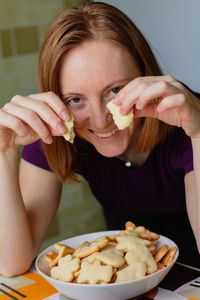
172, 28
22, 26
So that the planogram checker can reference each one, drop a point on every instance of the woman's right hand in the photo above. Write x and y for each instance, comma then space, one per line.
25, 120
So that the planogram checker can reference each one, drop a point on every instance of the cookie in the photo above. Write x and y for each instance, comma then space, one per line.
160, 253
111, 257
87, 249
127, 242
62, 250
94, 273
50, 256
66, 268
121, 121
140, 253
136, 271
146, 234
169, 256
70, 134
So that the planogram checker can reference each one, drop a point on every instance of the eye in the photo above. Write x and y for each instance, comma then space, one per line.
73, 101
112, 92
116, 90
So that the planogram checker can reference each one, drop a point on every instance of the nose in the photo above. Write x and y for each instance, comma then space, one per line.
100, 117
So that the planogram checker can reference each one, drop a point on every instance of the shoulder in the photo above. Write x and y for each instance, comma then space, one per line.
177, 149
178, 138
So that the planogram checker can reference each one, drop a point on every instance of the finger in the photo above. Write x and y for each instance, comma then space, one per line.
122, 95
138, 81
12, 123
54, 102
131, 97
169, 102
179, 86
134, 94
157, 90
29, 117
43, 110
166, 78
150, 110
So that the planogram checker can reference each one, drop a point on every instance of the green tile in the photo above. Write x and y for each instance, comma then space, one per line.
19, 64
54, 229
9, 13
6, 41
73, 3
26, 40
9, 87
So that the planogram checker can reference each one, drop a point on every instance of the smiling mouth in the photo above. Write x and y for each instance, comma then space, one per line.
105, 134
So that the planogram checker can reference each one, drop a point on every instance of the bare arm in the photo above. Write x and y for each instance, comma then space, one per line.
192, 190
41, 193
28, 201
25, 213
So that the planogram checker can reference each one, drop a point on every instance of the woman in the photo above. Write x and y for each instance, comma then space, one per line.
92, 55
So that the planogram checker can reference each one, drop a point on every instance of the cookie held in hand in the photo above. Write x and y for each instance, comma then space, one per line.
121, 121
70, 134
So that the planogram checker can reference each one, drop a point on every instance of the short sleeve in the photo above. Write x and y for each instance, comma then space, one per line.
178, 151
181, 151
187, 157
33, 153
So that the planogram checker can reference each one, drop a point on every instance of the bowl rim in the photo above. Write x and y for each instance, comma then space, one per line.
72, 284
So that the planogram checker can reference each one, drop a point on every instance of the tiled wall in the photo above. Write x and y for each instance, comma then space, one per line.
22, 25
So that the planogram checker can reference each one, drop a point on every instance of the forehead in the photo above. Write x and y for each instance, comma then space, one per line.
104, 60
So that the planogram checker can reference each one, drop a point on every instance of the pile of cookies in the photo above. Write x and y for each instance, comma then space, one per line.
130, 254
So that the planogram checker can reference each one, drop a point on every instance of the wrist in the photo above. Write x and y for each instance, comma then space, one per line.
9, 154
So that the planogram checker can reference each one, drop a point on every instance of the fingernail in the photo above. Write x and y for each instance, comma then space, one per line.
122, 111
61, 127
139, 105
116, 99
65, 115
159, 109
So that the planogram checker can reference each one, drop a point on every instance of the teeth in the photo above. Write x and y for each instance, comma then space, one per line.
105, 134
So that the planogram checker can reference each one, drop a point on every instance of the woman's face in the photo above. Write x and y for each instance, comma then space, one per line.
91, 75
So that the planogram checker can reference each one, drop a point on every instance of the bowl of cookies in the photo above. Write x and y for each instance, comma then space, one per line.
111, 265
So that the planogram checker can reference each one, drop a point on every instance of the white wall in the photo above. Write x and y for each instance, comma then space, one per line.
172, 28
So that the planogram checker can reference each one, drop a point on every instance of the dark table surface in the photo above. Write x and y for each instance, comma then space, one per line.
178, 275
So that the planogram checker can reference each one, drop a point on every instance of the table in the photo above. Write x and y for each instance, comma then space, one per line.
34, 287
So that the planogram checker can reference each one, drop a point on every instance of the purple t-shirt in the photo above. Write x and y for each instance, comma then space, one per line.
155, 187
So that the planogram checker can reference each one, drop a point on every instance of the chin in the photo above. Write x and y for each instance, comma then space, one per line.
112, 146
110, 151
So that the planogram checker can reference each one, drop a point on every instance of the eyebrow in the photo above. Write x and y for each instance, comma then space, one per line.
116, 82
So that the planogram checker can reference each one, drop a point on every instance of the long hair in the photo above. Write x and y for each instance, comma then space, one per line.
93, 21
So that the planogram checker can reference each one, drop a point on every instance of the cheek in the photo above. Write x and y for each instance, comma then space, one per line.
80, 119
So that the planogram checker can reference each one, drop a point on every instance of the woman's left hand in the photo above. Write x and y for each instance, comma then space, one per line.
164, 98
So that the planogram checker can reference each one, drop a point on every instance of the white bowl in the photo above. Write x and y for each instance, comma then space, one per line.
112, 291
